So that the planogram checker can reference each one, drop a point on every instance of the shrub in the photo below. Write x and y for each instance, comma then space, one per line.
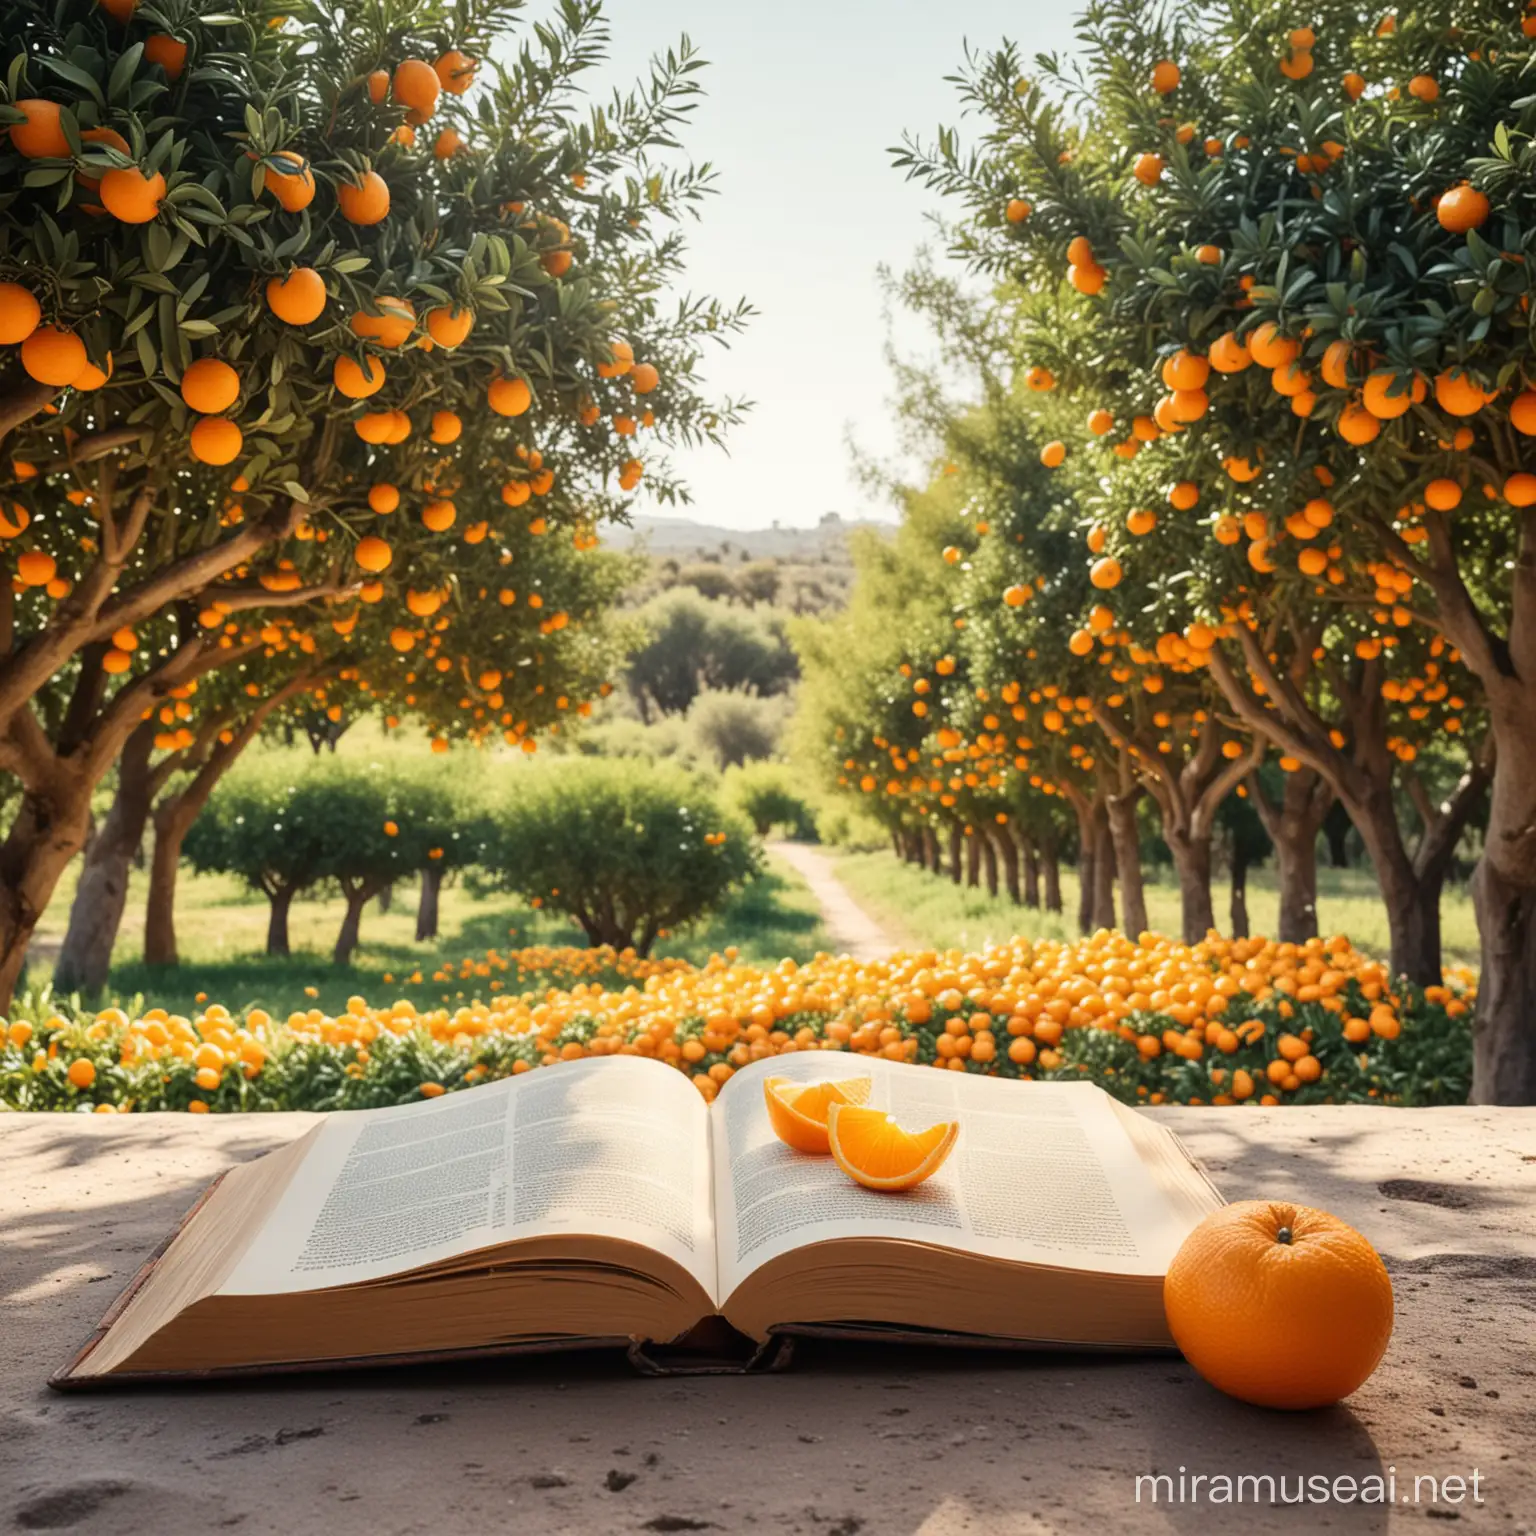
761, 792
630, 849
732, 727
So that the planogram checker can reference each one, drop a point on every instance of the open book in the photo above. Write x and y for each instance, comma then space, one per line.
604, 1202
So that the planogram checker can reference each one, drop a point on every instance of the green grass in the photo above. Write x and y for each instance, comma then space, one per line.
926, 911
222, 928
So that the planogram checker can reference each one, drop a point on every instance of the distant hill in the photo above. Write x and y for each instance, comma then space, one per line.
681, 538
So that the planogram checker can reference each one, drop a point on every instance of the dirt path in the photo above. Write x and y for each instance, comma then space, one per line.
851, 929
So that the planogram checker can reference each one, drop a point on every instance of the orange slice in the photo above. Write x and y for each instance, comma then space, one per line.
871, 1148
798, 1111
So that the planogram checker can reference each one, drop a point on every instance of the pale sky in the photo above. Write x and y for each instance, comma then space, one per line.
804, 97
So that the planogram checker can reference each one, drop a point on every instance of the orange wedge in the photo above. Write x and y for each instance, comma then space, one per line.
871, 1148
798, 1111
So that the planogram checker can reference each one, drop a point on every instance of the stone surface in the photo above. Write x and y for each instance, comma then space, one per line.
851, 1441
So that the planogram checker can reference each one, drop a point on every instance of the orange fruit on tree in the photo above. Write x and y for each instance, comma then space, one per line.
119, 10
356, 383
1386, 396
210, 386
373, 554
1280, 1305
294, 189
52, 356
40, 133
869, 1146
1088, 280
130, 196
36, 569
455, 72
1443, 495
1520, 489
391, 327
383, 497
1522, 413
378, 86
446, 427
417, 87
447, 144
798, 1111
1357, 425
1148, 169
1424, 88
1184, 496
1229, 355
439, 516
1105, 573
1354, 85
216, 440
509, 397
170, 53
1053, 454
1461, 209
20, 314
556, 263
364, 201
298, 298
374, 426
1459, 393
1165, 77
644, 378
1186, 370
450, 327
91, 377
1017, 210
1270, 348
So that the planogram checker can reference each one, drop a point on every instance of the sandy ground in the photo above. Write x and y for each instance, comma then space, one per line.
853, 931
850, 1442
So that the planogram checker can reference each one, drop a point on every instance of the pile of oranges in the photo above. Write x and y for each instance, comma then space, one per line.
1151, 1020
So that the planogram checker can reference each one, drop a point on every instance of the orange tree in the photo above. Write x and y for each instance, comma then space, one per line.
276, 254
1264, 201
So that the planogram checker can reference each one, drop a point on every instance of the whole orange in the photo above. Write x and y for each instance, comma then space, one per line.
1280, 1305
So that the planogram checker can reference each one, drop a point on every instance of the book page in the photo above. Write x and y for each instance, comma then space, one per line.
1043, 1173
616, 1147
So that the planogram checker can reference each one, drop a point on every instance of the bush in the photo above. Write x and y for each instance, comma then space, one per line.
761, 792
630, 849
693, 644
731, 728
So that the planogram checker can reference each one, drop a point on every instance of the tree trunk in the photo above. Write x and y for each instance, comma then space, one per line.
1337, 828
426, 908
1103, 912
1504, 1028
988, 859
1126, 839
1192, 863
96, 913
1087, 856
1238, 907
955, 839
1007, 850
1412, 922
1292, 825
49, 829
1050, 868
972, 860
1031, 857
277, 923
934, 854
387, 898
173, 820
351, 925
896, 846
